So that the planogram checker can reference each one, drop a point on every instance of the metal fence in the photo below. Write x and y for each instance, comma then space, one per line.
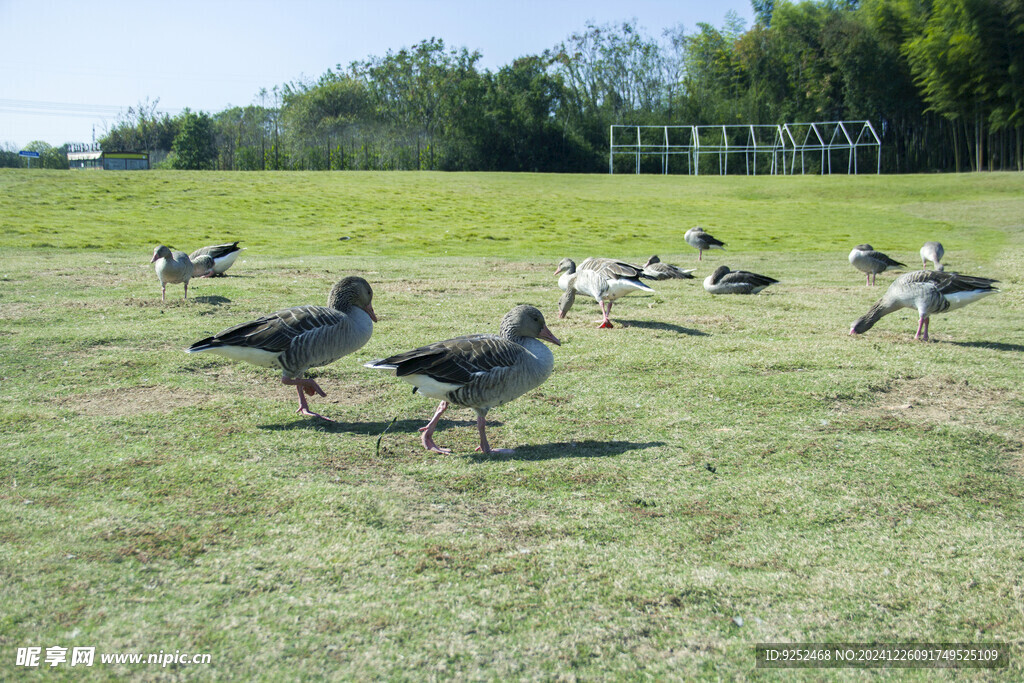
774, 149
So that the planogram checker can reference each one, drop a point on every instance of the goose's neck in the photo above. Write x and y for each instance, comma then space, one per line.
881, 308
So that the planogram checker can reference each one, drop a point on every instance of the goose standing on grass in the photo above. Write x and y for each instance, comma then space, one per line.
656, 270
605, 280
928, 291
701, 241
865, 259
296, 339
480, 371
725, 281
223, 256
932, 251
172, 267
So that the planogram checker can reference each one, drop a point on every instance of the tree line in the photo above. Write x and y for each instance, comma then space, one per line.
942, 81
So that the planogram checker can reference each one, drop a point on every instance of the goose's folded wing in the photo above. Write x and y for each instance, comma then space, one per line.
216, 251
275, 332
745, 277
457, 361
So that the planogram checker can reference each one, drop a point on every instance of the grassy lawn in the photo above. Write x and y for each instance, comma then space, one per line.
712, 473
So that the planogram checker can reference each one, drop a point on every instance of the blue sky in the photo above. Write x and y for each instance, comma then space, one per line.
67, 66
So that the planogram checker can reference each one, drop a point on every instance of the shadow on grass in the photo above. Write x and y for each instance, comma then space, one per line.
668, 327
573, 449
215, 300
995, 346
369, 428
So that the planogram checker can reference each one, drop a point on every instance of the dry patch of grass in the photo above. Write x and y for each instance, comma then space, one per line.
130, 401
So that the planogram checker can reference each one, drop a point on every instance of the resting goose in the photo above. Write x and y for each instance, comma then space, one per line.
865, 259
725, 281
701, 241
929, 291
605, 280
172, 267
480, 371
223, 256
202, 266
656, 270
296, 339
932, 251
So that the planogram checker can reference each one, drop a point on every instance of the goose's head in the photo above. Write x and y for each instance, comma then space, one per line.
527, 321
161, 252
352, 291
653, 259
566, 265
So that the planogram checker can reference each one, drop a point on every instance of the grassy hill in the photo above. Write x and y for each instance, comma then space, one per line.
712, 473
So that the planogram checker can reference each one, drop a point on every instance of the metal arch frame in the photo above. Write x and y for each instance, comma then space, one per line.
784, 140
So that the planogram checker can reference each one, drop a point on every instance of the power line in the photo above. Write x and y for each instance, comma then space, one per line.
66, 108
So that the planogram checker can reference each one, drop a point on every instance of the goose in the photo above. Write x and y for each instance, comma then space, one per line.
202, 265
480, 371
929, 291
865, 259
725, 281
566, 267
223, 256
656, 270
172, 267
932, 251
605, 280
296, 339
701, 241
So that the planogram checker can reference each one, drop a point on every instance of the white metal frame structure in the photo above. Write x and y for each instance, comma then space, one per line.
772, 141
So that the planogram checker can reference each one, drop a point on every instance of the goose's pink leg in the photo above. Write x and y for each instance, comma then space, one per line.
306, 386
922, 326
484, 447
606, 310
427, 432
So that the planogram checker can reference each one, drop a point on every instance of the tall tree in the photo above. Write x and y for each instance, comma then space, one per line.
194, 147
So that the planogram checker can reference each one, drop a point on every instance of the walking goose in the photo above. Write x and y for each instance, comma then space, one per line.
223, 256
865, 259
725, 281
656, 270
605, 280
296, 339
932, 251
701, 241
928, 291
480, 371
172, 267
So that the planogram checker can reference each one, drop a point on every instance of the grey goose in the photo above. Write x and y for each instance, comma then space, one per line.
223, 256
480, 371
302, 337
172, 268
702, 241
605, 280
726, 281
656, 270
927, 291
864, 258
932, 251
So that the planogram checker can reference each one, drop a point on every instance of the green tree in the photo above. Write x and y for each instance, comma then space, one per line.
194, 147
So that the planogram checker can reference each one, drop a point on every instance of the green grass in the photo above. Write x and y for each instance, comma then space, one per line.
709, 462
